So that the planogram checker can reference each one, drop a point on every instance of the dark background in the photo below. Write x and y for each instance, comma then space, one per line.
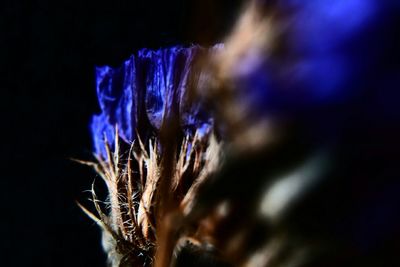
48, 52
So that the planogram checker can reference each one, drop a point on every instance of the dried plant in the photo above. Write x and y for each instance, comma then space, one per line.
131, 221
235, 151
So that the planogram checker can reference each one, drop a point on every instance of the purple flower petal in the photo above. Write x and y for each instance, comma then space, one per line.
154, 84
115, 94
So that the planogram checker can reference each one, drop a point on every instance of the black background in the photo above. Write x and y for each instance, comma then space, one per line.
48, 52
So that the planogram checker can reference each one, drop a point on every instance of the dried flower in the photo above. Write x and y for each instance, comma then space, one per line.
150, 127
194, 144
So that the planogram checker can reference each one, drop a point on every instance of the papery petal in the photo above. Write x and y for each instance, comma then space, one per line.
147, 90
102, 130
115, 94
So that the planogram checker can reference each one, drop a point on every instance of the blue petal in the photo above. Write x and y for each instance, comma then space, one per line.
102, 130
156, 84
115, 94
